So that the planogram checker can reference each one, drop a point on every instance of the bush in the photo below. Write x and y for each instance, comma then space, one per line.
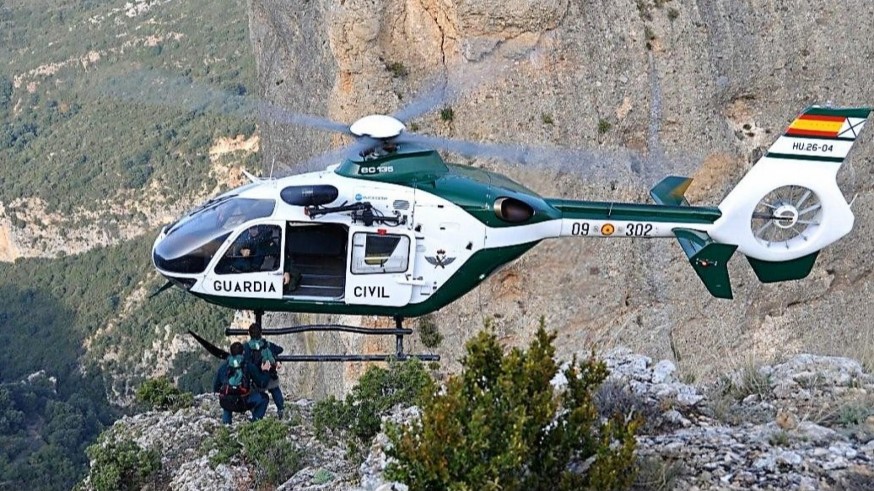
429, 333
161, 395
376, 393
397, 69
658, 474
264, 445
501, 424
121, 465
224, 444
447, 114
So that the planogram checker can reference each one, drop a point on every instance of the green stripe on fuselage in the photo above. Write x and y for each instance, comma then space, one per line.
598, 210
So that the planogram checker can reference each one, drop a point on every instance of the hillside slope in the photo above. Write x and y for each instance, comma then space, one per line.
108, 111
796, 425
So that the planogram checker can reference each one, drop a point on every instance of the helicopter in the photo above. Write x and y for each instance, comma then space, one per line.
394, 230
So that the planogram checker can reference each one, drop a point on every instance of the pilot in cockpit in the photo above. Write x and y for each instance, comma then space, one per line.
256, 249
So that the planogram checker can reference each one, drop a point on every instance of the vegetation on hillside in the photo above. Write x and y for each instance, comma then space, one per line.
45, 426
48, 307
95, 102
80, 125
375, 394
122, 465
501, 424
264, 445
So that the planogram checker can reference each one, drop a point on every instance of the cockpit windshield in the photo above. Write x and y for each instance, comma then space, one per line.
191, 242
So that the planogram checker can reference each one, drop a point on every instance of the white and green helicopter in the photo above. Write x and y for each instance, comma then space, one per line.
395, 231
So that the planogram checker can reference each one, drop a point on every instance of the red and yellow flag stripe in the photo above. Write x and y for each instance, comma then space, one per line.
816, 125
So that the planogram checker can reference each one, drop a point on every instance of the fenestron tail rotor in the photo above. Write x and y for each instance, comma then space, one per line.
786, 216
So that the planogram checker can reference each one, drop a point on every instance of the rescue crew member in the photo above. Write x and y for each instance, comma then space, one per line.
261, 355
233, 382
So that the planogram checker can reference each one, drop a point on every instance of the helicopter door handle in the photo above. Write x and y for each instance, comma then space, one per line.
277, 273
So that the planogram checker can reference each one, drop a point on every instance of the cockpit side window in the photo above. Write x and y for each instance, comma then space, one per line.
255, 250
195, 261
192, 241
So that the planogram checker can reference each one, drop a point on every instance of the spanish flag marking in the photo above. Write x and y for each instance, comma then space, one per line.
816, 125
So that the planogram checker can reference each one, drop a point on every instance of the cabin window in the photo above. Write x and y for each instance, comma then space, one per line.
376, 253
256, 250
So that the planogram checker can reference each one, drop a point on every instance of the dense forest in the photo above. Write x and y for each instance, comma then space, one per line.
103, 101
53, 394
97, 101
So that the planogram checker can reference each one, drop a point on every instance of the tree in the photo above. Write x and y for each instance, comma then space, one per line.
501, 424
5, 92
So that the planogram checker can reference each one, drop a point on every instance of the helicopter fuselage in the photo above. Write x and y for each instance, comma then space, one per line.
402, 234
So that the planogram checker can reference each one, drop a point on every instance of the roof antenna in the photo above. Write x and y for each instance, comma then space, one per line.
272, 164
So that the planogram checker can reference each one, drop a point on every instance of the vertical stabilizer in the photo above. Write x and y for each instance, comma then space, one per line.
789, 206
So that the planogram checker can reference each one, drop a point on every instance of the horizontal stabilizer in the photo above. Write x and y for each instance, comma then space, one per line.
709, 259
774, 271
670, 191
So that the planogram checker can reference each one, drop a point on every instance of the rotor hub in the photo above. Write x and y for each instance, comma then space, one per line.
377, 126
786, 215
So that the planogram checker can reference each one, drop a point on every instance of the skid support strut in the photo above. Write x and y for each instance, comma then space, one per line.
398, 332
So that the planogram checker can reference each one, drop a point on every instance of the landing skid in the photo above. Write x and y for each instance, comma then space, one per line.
398, 332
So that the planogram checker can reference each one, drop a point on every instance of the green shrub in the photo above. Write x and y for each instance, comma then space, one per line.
428, 332
501, 424
397, 69
263, 445
121, 465
779, 439
447, 114
854, 413
225, 444
750, 381
160, 394
603, 126
657, 474
376, 393
322, 476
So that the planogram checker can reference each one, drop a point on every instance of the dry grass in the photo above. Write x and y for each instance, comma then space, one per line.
654, 473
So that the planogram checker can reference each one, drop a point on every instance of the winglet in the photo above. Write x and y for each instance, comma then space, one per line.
670, 191
709, 259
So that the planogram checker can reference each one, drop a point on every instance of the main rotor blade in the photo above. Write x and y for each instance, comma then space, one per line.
443, 90
331, 157
437, 94
150, 87
552, 157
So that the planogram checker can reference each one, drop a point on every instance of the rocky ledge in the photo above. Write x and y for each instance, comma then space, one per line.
806, 423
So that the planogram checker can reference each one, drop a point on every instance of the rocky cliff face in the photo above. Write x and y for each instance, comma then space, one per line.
696, 88
803, 424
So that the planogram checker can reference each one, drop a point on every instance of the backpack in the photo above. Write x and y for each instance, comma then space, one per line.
259, 352
232, 395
